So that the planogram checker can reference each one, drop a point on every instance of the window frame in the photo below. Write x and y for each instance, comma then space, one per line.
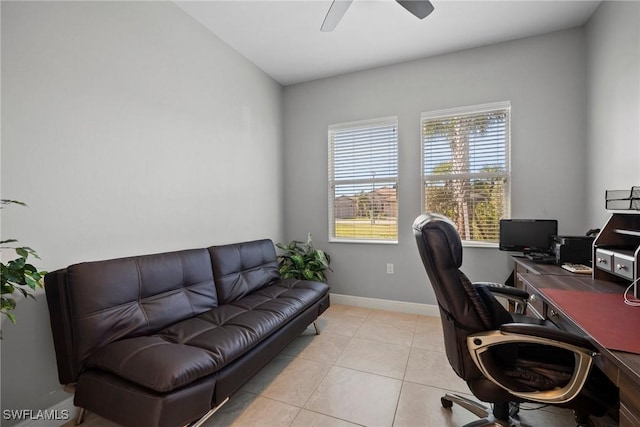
469, 110
354, 125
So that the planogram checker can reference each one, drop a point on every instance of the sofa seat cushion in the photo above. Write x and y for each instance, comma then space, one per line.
202, 345
153, 362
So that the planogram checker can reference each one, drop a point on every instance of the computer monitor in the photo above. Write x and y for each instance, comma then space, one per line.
527, 235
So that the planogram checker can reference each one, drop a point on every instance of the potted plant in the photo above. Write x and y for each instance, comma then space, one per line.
17, 275
300, 260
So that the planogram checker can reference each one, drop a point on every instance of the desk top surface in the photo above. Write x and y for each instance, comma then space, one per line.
629, 362
541, 268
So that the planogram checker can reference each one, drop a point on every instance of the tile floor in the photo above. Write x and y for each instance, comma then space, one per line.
366, 368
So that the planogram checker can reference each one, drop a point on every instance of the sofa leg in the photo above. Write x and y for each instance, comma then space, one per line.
80, 417
315, 325
208, 415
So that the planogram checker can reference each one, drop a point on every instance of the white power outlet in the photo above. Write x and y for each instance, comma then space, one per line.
389, 268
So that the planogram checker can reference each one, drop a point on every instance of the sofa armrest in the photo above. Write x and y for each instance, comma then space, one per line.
61, 326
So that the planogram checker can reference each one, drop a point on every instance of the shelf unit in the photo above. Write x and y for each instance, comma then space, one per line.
616, 250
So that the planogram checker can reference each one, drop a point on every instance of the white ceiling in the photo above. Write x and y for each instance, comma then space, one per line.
283, 37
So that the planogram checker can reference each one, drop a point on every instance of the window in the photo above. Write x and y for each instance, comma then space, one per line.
466, 168
363, 181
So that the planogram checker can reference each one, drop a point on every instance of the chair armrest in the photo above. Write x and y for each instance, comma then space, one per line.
515, 295
548, 333
497, 288
480, 343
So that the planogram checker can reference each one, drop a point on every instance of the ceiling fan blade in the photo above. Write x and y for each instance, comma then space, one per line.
334, 15
420, 8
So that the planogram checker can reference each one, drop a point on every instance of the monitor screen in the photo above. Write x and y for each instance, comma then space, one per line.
527, 235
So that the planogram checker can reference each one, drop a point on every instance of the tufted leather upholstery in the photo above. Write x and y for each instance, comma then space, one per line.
242, 268
202, 345
157, 340
128, 297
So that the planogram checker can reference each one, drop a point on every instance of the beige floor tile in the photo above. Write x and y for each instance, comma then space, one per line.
307, 418
429, 334
375, 357
246, 410
432, 368
391, 315
355, 396
340, 325
288, 379
543, 417
392, 331
346, 310
90, 420
325, 348
419, 405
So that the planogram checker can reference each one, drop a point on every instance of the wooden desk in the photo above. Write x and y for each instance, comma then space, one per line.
621, 367
526, 266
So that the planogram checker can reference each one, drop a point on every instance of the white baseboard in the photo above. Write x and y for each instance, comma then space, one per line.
66, 406
385, 304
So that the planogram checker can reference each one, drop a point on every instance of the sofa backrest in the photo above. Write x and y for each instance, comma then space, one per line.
94, 303
241, 268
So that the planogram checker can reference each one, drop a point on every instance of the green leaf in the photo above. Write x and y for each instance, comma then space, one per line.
298, 260
31, 282
22, 252
10, 316
301, 261
12, 202
8, 303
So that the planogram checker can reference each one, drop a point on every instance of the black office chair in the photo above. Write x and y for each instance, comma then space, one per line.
505, 358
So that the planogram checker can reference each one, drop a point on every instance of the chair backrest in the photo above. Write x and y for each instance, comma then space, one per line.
463, 308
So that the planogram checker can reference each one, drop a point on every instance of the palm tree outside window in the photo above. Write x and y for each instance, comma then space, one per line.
466, 168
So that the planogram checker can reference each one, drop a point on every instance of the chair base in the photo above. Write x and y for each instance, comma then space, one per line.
487, 417
501, 416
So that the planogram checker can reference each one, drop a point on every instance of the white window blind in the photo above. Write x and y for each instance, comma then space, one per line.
363, 181
466, 168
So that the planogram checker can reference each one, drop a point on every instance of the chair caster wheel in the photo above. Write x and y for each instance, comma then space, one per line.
446, 403
514, 409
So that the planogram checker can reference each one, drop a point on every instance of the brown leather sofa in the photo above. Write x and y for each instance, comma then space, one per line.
165, 339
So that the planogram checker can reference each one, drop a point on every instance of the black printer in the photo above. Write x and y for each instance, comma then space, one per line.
572, 249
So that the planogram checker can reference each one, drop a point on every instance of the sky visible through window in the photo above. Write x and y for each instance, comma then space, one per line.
363, 158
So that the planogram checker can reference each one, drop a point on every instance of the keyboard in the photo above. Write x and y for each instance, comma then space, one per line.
577, 268
541, 257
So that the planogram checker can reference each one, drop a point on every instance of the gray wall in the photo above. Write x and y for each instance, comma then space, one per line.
129, 129
543, 77
613, 112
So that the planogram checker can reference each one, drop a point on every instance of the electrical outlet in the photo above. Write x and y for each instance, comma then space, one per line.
389, 268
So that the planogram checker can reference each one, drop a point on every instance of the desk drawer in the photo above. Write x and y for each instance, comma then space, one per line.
535, 306
562, 322
604, 259
623, 265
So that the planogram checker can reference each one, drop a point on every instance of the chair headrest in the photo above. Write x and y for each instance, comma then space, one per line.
429, 225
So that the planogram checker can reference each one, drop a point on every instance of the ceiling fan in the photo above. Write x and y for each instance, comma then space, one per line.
419, 8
